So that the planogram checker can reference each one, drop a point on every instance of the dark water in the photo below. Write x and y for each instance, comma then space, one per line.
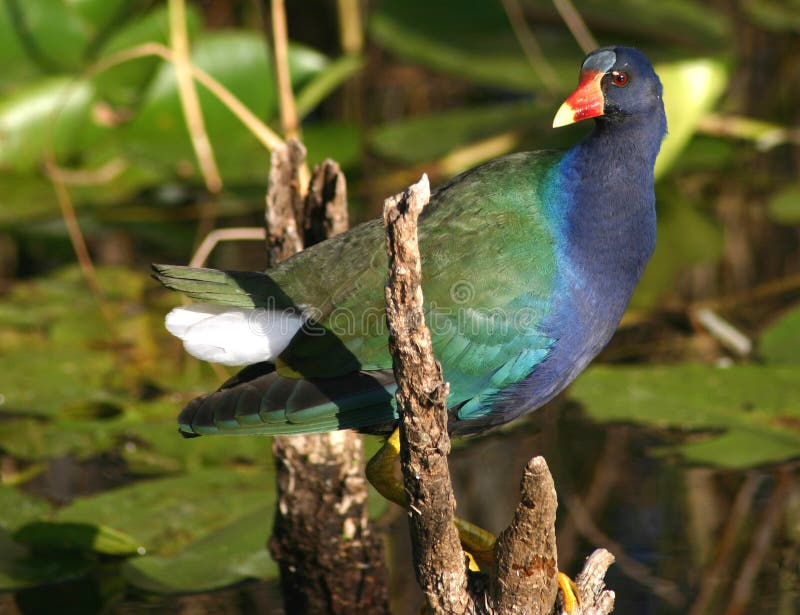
687, 539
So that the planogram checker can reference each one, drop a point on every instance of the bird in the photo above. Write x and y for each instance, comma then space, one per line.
528, 261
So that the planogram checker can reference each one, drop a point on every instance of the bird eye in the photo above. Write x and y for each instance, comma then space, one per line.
619, 78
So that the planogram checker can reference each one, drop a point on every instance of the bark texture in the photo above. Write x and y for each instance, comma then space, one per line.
422, 398
525, 578
330, 559
595, 598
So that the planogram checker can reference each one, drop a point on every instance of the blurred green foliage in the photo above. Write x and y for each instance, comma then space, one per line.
86, 383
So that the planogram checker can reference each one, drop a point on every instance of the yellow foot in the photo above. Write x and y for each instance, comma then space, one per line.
569, 592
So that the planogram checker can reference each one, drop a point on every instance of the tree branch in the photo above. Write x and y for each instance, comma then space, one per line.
526, 567
330, 559
422, 399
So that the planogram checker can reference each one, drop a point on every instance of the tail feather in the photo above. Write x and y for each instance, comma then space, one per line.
258, 400
245, 289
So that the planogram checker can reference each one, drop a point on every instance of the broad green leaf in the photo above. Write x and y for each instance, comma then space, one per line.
150, 442
18, 508
343, 142
232, 554
47, 33
102, 13
158, 137
20, 568
39, 377
167, 515
478, 43
38, 440
691, 90
69, 536
432, 136
784, 206
780, 342
752, 413
55, 343
25, 196
125, 83
51, 112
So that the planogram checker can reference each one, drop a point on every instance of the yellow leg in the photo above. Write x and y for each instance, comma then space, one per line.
477, 542
380, 471
569, 592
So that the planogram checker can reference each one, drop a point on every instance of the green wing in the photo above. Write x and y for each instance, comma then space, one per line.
488, 266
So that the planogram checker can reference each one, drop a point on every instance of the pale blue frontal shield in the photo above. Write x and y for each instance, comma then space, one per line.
601, 61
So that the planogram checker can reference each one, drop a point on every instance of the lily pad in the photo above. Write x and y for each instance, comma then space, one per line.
229, 555
752, 413
167, 515
90, 537
18, 508
780, 342
19, 568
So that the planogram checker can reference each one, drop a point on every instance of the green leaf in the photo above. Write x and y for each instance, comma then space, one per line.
691, 90
124, 83
102, 13
780, 342
157, 137
325, 82
435, 135
18, 508
51, 112
47, 33
20, 568
234, 553
53, 535
752, 412
343, 142
784, 206
169, 514
478, 44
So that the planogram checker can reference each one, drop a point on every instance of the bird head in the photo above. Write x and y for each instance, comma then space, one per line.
615, 82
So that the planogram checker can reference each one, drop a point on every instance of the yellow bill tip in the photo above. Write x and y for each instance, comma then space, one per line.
564, 116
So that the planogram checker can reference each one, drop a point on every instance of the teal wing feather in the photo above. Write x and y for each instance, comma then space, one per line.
488, 264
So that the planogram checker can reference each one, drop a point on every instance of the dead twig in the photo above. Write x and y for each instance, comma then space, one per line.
577, 26
179, 40
595, 598
527, 40
422, 399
